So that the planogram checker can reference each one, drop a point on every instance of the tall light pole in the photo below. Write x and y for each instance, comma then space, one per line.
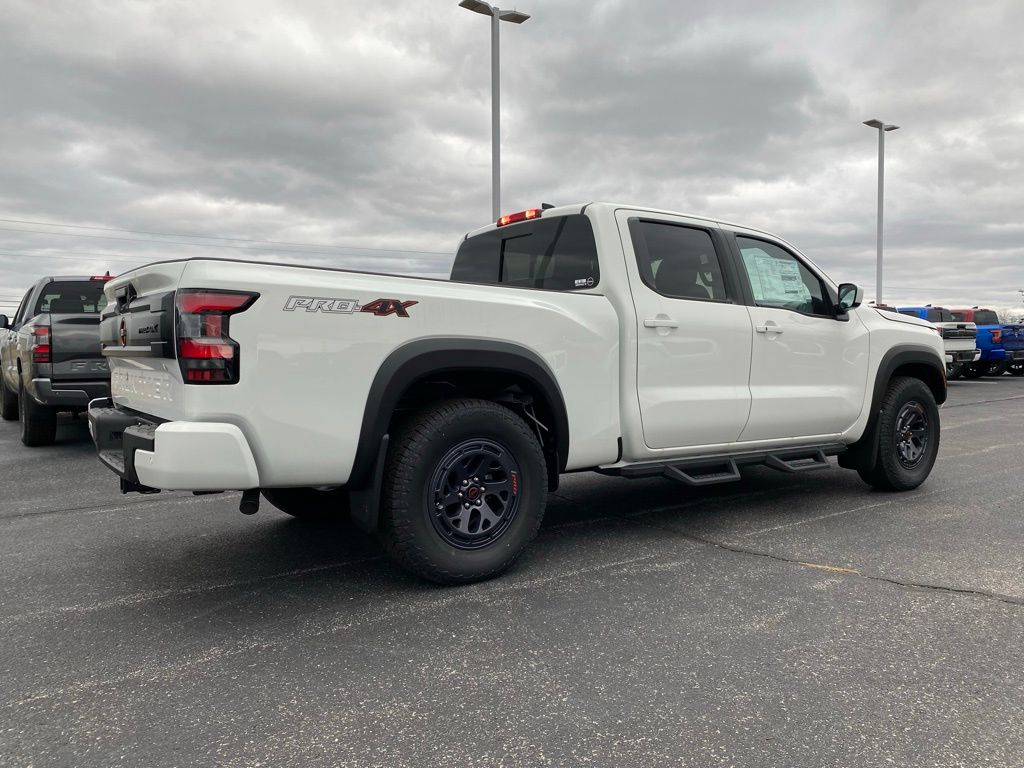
883, 128
497, 15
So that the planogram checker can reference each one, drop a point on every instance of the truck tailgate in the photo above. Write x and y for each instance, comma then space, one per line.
137, 337
75, 348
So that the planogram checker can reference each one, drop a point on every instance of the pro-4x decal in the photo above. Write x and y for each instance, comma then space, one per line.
385, 307
377, 307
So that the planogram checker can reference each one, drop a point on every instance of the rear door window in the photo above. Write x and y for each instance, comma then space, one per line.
677, 261
557, 254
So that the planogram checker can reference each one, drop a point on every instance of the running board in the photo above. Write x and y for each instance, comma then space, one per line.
817, 460
724, 472
711, 470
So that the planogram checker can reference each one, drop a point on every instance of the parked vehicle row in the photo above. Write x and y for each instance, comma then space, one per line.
976, 342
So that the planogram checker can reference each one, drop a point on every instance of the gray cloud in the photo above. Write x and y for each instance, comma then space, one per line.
343, 123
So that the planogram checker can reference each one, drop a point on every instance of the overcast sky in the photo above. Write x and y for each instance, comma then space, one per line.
365, 125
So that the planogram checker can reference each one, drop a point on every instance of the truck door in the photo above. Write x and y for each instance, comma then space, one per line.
9, 344
693, 334
809, 368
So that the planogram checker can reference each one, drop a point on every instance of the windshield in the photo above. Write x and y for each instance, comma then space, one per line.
72, 297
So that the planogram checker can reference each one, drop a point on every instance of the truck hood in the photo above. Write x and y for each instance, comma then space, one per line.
896, 317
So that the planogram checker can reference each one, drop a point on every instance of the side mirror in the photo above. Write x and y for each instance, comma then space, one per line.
5, 322
850, 297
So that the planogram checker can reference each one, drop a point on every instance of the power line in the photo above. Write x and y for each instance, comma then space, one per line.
208, 237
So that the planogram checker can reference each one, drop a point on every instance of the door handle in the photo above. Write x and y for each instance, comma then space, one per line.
660, 323
768, 328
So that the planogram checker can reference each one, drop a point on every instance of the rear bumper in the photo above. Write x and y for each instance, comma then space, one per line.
1015, 354
67, 394
963, 356
171, 455
993, 355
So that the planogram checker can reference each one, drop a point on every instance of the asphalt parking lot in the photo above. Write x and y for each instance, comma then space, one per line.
786, 621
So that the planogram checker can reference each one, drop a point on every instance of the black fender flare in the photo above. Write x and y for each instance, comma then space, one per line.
426, 357
862, 454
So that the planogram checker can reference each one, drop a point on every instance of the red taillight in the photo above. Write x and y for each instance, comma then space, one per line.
513, 218
40, 345
997, 335
214, 301
206, 353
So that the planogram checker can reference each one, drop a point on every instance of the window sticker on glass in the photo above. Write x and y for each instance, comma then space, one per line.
775, 281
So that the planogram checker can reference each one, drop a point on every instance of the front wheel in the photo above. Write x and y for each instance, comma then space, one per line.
8, 403
465, 487
908, 437
313, 504
1016, 369
974, 370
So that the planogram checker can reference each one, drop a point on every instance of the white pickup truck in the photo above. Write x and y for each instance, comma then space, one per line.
439, 413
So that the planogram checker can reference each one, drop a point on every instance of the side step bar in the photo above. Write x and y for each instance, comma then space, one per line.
711, 470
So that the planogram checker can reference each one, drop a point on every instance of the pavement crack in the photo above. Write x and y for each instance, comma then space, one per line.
1007, 599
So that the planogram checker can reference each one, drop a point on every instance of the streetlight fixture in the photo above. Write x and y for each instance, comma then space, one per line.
883, 128
497, 15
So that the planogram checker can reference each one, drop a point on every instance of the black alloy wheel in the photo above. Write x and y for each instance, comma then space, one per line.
911, 434
474, 493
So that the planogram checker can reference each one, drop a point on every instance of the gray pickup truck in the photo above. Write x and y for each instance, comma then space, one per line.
50, 358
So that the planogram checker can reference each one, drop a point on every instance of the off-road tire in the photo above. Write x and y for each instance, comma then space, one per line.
889, 473
412, 527
38, 422
311, 504
8, 403
996, 369
1016, 369
975, 370
954, 371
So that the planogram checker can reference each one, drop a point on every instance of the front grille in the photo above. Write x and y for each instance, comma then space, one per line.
957, 333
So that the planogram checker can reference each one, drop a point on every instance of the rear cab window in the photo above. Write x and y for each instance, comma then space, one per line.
986, 317
72, 297
938, 315
556, 254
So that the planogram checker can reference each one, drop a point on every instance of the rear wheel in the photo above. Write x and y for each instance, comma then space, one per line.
8, 403
954, 371
465, 487
996, 369
38, 422
315, 504
974, 370
1016, 369
908, 437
